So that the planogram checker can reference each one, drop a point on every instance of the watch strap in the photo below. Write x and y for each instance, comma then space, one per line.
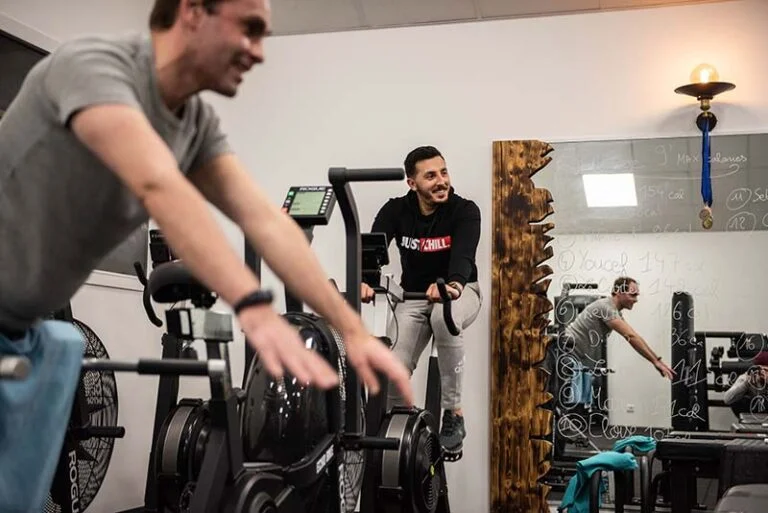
256, 298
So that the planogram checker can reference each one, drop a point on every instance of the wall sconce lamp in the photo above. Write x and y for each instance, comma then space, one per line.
705, 85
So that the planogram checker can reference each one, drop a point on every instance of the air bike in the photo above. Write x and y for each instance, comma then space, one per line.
409, 477
375, 255
276, 446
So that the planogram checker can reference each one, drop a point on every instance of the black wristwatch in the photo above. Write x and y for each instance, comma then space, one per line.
259, 297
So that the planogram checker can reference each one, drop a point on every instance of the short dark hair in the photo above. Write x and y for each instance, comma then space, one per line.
164, 12
416, 156
621, 284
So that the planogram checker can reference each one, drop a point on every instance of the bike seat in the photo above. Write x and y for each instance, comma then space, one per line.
171, 282
690, 449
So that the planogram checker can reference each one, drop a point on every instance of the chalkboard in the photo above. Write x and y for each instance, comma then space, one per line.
667, 177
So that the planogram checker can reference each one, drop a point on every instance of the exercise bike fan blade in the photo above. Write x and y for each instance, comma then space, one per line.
87, 449
412, 478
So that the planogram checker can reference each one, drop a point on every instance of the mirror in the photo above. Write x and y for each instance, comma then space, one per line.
630, 208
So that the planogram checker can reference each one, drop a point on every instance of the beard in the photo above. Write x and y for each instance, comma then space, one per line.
435, 195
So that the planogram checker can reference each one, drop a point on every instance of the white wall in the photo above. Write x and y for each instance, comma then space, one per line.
363, 99
63, 20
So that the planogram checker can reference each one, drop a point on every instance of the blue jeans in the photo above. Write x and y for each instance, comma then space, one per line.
34, 412
581, 386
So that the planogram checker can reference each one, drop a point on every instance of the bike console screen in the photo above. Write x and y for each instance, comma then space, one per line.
310, 205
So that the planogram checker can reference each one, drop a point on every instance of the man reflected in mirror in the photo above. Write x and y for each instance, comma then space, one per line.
603, 316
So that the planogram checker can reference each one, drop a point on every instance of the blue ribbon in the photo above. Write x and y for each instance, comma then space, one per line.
706, 179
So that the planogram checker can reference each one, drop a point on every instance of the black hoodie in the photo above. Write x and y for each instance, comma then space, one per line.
442, 244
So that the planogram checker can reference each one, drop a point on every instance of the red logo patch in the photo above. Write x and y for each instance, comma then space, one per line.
435, 244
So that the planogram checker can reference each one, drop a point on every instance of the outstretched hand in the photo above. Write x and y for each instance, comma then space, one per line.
664, 369
367, 354
280, 347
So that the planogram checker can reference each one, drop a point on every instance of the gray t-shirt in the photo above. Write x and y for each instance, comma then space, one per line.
61, 210
589, 328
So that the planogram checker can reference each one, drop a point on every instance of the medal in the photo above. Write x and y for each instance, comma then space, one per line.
706, 217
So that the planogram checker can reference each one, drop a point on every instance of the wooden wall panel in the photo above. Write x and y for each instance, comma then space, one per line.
519, 455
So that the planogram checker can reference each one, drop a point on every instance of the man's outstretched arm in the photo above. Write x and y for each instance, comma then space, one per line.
122, 138
275, 236
284, 247
738, 390
125, 141
639, 344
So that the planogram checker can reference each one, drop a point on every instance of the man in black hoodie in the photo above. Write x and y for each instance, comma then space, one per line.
436, 232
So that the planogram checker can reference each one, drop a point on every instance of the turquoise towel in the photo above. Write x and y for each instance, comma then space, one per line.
34, 413
640, 444
576, 498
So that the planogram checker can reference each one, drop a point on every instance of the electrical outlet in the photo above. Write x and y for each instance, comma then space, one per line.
630, 408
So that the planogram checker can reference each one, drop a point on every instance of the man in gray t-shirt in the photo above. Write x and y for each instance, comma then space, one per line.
596, 322
107, 132
591, 327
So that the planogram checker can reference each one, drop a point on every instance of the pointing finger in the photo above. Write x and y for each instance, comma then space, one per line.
271, 361
368, 377
403, 383
322, 372
399, 376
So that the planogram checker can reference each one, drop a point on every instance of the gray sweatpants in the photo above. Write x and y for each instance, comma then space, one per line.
412, 327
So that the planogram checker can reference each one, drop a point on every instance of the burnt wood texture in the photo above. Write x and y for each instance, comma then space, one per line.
519, 308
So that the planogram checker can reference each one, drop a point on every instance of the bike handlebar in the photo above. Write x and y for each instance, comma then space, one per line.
164, 367
446, 300
141, 275
344, 175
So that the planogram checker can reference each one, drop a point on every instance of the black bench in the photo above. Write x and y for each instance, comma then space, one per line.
738, 427
717, 435
745, 462
729, 458
750, 423
753, 418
